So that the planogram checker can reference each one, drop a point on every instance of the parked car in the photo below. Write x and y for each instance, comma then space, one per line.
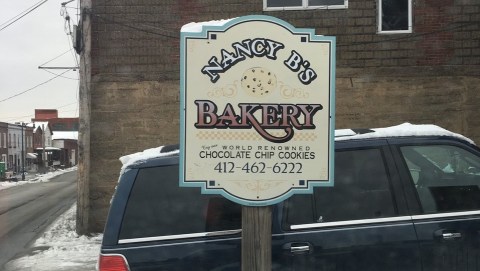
405, 198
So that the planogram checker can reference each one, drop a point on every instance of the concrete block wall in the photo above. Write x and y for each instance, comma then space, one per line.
428, 76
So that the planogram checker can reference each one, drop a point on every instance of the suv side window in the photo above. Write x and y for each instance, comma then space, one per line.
154, 208
446, 178
361, 190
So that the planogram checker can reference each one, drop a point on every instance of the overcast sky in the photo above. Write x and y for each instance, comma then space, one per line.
25, 45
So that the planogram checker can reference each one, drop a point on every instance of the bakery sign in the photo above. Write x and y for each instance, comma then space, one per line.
257, 109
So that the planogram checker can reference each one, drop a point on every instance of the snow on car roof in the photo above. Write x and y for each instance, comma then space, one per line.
402, 130
139, 157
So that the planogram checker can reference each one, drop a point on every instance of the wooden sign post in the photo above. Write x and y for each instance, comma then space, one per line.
257, 118
256, 238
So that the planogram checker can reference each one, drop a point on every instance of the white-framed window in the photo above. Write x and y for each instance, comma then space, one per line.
303, 4
394, 16
5, 140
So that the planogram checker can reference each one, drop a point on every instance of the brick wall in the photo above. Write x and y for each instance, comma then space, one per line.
429, 76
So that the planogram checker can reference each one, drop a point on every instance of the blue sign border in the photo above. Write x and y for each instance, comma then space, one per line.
204, 35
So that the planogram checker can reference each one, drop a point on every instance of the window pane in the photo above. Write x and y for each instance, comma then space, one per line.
158, 206
326, 2
394, 15
361, 191
447, 178
284, 3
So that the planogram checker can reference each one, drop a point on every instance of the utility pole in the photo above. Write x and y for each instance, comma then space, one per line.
23, 153
83, 184
43, 146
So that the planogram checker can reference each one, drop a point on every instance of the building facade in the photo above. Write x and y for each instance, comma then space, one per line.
397, 61
3, 142
19, 145
60, 135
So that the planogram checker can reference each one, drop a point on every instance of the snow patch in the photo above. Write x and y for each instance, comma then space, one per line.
402, 130
194, 27
61, 248
143, 156
35, 178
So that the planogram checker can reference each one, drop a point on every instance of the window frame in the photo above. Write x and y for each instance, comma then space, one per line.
126, 186
411, 183
305, 6
387, 32
395, 184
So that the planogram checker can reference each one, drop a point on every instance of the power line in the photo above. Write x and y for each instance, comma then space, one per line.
25, 13
135, 27
65, 105
16, 118
33, 115
409, 36
25, 91
60, 76
14, 17
55, 57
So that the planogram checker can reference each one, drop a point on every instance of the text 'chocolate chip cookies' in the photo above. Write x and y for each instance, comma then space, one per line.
258, 81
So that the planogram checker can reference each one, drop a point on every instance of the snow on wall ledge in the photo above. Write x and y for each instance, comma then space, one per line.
197, 27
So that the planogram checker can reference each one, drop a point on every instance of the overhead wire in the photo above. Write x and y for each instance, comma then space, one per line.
409, 36
108, 20
32, 88
61, 75
56, 57
403, 37
33, 115
21, 15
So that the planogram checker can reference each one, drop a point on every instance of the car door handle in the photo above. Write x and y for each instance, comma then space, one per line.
298, 248
448, 234
451, 235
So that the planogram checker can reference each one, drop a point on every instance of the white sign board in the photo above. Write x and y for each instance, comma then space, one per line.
257, 109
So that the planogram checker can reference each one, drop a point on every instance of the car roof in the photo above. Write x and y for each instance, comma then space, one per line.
405, 130
402, 130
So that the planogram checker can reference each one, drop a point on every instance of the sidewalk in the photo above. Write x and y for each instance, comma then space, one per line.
60, 249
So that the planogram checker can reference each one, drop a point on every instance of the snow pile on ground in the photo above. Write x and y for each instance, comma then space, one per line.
60, 248
29, 178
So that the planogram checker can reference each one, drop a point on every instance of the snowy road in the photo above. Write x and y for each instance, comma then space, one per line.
26, 211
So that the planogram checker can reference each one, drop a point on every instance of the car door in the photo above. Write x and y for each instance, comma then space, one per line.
359, 224
444, 179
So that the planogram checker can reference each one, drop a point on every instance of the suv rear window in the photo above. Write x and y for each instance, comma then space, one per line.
157, 206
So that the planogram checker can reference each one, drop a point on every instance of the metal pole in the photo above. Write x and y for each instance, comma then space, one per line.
43, 145
23, 155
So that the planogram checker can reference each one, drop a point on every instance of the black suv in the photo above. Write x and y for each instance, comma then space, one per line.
406, 198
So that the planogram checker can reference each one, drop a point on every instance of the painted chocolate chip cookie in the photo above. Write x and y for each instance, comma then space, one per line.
258, 81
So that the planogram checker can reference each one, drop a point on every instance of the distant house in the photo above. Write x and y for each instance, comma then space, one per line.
60, 140
68, 143
42, 143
